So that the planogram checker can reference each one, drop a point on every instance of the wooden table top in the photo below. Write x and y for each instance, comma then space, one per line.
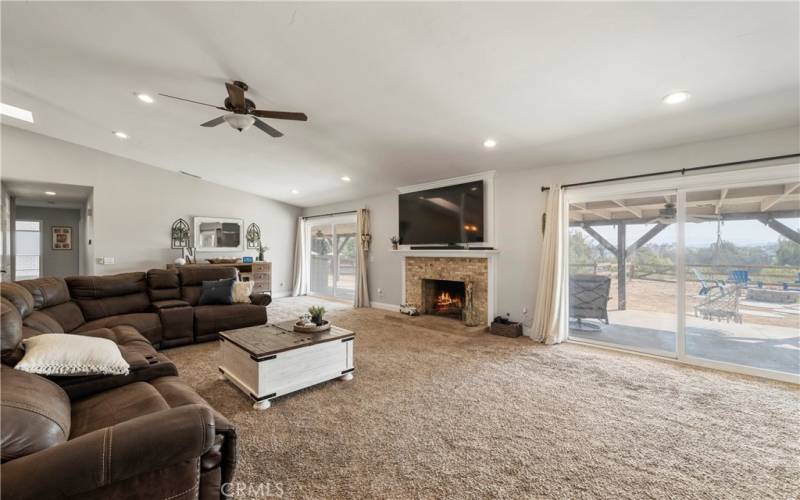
267, 340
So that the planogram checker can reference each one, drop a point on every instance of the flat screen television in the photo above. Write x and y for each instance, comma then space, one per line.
443, 216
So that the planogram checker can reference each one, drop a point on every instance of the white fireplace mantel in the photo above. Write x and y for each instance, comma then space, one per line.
489, 255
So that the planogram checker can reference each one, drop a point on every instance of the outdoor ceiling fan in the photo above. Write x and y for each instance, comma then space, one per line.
243, 112
668, 215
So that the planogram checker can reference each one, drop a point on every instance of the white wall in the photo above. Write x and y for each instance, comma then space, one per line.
134, 204
519, 204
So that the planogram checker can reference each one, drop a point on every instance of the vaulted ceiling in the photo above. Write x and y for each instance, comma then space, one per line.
397, 93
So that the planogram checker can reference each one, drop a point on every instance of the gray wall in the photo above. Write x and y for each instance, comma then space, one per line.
56, 262
133, 204
519, 204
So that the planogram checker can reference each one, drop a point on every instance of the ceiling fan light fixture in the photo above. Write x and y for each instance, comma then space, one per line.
239, 122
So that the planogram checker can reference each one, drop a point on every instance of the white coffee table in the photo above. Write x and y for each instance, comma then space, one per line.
269, 361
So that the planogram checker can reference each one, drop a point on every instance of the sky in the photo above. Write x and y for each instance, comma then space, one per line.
743, 233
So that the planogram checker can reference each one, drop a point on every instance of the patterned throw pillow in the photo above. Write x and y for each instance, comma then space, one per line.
71, 355
242, 291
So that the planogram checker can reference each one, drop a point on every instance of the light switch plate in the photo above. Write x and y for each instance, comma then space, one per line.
109, 260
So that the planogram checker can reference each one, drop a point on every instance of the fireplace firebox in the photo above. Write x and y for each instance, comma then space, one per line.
443, 298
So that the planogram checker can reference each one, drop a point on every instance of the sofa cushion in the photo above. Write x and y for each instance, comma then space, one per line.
46, 292
148, 324
242, 291
101, 296
43, 323
67, 314
115, 406
192, 280
10, 332
19, 296
65, 354
34, 413
214, 319
163, 284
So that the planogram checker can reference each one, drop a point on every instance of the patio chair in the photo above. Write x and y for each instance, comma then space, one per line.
588, 297
704, 288
721, 304
793, 286
739, 277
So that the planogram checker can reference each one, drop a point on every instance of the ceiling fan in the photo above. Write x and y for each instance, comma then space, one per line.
667, 215
243, 112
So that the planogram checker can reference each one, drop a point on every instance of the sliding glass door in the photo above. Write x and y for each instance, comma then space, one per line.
623, 289
332, 259
743, 280
705, 270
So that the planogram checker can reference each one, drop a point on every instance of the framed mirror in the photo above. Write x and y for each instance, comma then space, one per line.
218, 234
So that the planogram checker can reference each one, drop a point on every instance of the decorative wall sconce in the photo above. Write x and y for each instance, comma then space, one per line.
253, 236
181, 235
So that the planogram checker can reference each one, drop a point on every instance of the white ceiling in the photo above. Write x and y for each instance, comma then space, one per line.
397, 94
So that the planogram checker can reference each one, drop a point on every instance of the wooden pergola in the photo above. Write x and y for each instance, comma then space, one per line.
765, 204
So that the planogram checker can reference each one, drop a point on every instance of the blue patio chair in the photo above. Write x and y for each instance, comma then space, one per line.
739, 277
704, 287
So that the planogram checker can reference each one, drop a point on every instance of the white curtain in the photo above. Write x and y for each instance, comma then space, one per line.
551, 300
364, 238
301, 268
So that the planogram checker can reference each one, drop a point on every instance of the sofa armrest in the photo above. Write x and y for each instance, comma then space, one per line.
261, 299
169, 304
112, 454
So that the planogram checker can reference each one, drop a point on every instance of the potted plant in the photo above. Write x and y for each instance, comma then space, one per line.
317, 315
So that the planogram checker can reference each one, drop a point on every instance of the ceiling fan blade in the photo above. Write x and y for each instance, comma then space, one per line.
237, 96
266, 128
280, 115
195, 102
214, 122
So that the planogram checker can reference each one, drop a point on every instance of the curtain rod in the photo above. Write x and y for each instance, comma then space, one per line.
681, 171
329, 215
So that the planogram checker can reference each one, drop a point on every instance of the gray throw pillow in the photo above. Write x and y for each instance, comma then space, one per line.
218, 292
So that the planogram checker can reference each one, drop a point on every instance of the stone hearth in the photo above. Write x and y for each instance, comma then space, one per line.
472, 271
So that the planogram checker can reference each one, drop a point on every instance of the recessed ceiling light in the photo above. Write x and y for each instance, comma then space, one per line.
676, 97
346, 178
489, 143
145, 98
294, 191
120, 134
50, 193
15, 112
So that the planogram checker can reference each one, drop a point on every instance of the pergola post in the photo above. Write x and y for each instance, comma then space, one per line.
621, 266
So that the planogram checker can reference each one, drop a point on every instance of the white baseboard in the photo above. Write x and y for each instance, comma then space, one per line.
280, 295
383, 305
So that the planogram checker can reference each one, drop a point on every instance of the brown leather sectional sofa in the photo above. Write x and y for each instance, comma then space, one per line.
141, 435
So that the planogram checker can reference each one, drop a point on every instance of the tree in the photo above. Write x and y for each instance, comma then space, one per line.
788, 253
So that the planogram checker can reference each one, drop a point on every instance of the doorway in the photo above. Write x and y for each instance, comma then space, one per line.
332, 256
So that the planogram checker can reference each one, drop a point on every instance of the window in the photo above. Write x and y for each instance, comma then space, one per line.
28, 254
332, 259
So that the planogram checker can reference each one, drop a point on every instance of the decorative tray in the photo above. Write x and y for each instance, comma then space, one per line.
299, 328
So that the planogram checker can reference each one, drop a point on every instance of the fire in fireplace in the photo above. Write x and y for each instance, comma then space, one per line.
444, 298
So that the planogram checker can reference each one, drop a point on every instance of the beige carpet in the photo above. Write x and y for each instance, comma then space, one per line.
439, 415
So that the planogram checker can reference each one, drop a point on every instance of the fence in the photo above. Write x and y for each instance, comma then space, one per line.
767, 275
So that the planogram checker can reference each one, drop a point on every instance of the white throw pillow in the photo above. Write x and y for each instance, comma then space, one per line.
242, 291
65, 354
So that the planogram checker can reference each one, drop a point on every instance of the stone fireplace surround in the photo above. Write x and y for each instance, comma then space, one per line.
469, 266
